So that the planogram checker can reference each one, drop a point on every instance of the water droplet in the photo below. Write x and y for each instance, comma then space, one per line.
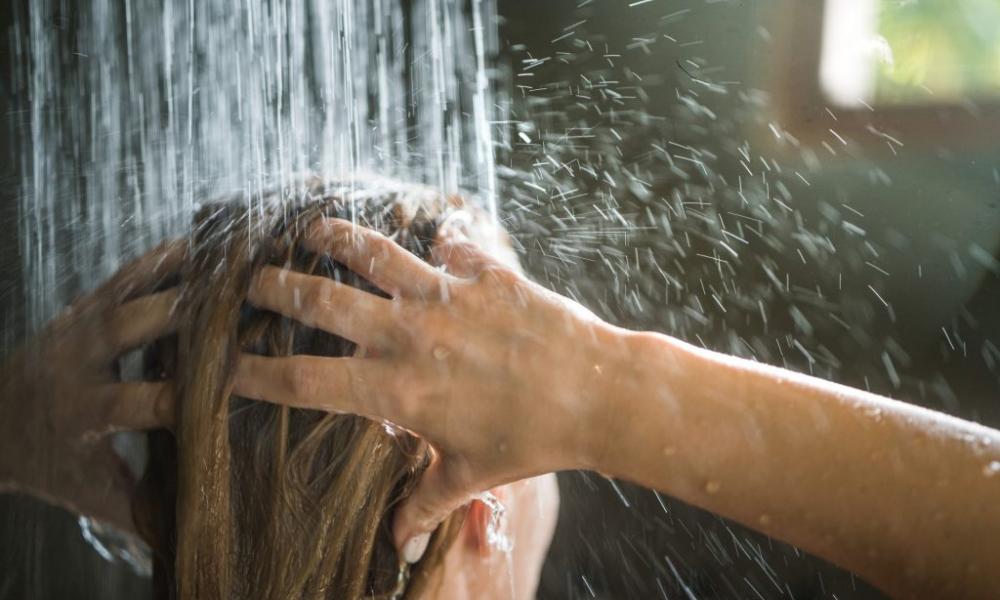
764, 520
712, 487
669, 451
495, 535
993, 468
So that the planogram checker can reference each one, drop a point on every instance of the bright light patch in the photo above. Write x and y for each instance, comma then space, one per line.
895, 52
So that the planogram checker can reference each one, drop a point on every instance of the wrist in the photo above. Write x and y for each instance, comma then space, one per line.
639, 394
611, 388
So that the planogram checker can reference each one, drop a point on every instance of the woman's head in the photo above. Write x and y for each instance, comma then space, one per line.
259, 500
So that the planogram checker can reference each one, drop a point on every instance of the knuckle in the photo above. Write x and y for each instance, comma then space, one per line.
103, 414
357, 384
419, 405
500, 276
163, 407
407, 406
316, 299
406, 398
425, 330
409, 323
299, 379
379, 243
111, 336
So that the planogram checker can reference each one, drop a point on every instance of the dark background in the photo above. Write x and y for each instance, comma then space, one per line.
628, 542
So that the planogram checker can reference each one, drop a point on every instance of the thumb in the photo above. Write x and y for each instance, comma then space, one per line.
436, 496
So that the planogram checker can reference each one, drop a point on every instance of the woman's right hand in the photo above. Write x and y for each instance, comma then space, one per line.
60, 395
504, 378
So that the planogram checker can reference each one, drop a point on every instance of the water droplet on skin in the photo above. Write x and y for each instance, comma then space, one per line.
764, 520
712, 487
993, 468
502, 447
669, 451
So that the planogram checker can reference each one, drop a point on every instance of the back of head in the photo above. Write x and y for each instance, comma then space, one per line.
249, 499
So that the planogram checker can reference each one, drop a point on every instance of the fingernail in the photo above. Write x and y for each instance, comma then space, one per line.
413, 549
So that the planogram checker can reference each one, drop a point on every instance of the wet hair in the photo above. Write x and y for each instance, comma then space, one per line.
250, 499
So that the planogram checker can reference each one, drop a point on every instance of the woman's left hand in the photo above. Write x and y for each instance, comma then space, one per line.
60, 395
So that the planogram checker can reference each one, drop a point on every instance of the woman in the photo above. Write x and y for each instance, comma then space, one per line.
247, 499
506, 380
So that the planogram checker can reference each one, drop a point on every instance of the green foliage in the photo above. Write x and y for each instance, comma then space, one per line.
938, 50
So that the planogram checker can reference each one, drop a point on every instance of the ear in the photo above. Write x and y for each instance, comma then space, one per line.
474, 535
475, 529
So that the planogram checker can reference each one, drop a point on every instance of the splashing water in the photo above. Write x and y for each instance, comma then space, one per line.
496, 537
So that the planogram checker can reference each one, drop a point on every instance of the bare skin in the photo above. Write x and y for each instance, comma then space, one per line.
508, 380
60, 396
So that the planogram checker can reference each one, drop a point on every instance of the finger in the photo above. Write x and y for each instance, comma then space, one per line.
141, 321
376, 258
320, 302
144, 273
106, 494
348, 385
436, 496
135, 406
462, 258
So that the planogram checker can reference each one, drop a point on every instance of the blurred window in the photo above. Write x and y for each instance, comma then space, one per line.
910, 52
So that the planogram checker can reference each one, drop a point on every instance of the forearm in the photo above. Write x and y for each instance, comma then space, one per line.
906, 497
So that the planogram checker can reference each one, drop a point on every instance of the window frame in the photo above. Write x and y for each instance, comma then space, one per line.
802, 109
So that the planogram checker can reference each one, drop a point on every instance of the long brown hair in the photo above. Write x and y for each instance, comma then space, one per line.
248, 499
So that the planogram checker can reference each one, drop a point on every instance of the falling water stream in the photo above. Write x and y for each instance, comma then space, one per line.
141, 109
